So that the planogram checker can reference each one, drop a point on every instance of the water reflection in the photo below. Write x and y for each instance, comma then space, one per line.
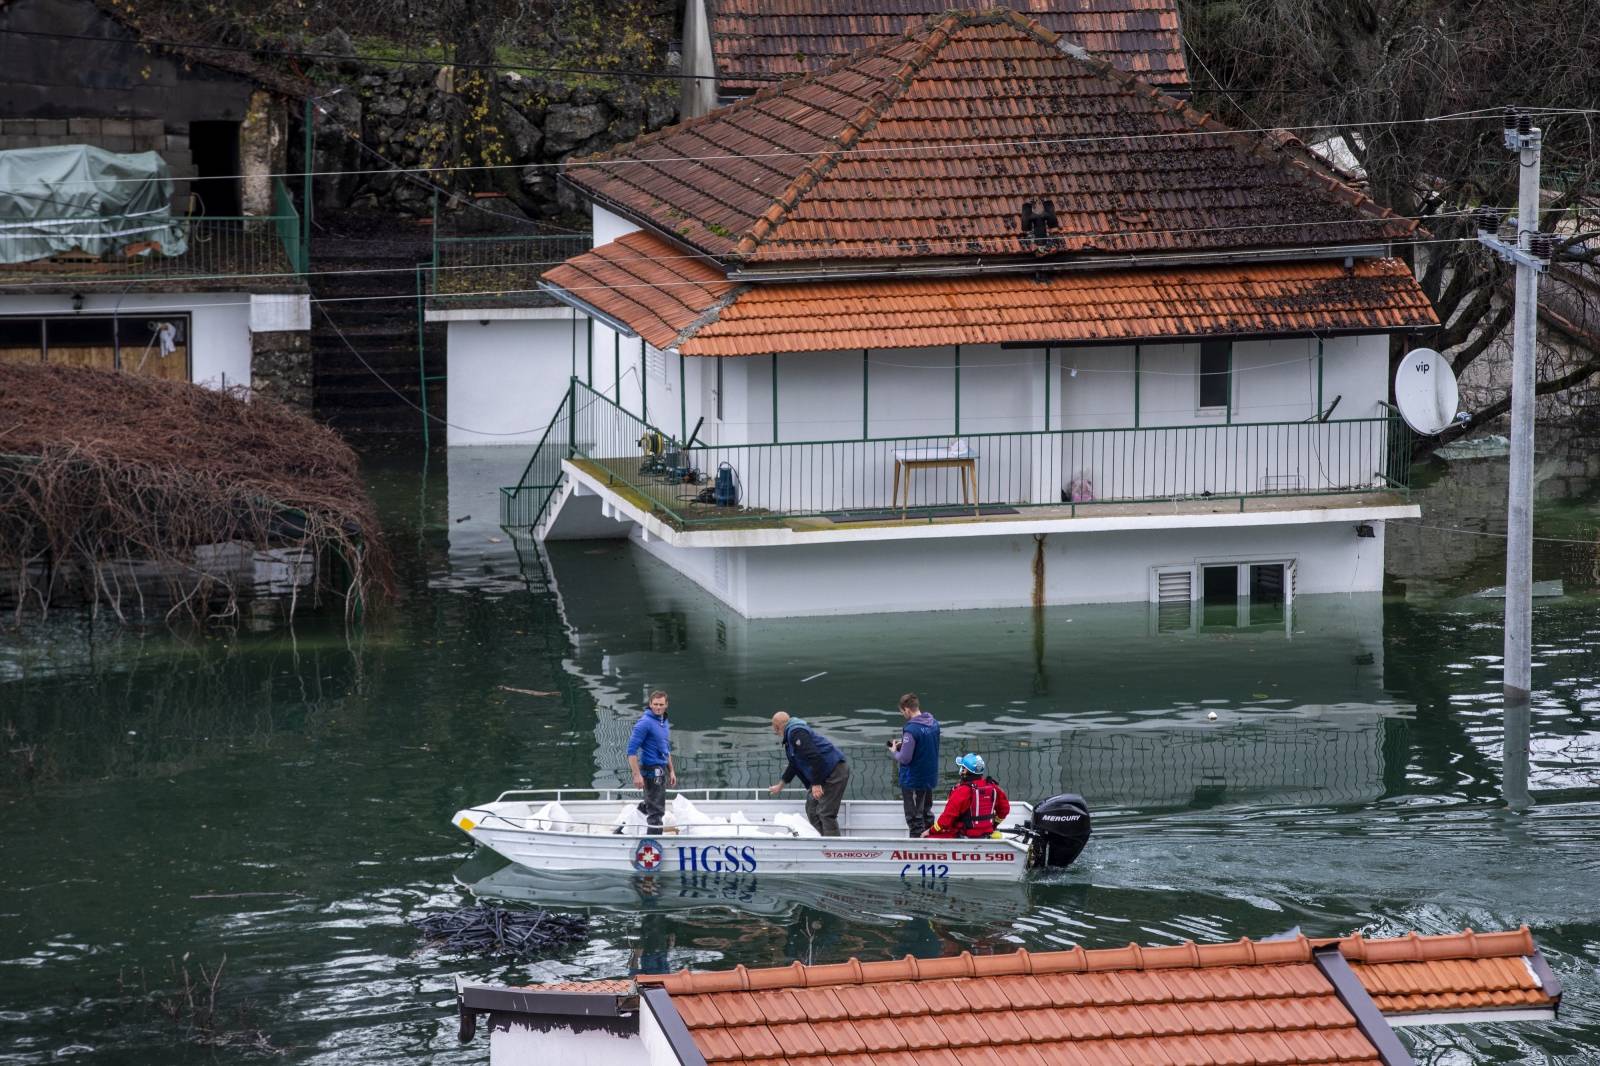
282, 799
880, 901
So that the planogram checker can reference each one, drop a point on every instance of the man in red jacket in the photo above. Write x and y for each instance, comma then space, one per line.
977, 805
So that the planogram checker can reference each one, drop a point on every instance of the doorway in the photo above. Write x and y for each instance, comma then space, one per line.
214, 149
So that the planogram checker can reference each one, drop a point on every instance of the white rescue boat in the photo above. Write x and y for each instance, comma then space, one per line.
747, 831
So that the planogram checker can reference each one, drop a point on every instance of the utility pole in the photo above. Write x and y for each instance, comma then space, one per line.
1531, 255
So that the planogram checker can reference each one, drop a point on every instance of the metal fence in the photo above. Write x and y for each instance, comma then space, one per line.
902, 477
498, 267
214, 245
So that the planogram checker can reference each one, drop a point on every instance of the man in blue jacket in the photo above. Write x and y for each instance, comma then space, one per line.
917, 754
650, 758
819, 766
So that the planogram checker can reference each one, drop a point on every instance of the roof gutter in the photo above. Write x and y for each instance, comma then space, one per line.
1112, 262
616, 324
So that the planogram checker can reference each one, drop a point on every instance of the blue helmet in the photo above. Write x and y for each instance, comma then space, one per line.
971, 764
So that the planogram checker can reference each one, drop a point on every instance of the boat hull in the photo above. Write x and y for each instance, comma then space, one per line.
869, 848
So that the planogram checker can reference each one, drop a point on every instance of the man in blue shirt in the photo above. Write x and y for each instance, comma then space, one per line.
820, 767
917, 755
650, 758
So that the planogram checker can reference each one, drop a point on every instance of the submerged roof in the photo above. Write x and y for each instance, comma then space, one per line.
678, 301
1261, 1002
755, 40
928, 148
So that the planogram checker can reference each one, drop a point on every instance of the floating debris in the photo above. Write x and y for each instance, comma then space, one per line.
527, 691
493, 932
1491, 447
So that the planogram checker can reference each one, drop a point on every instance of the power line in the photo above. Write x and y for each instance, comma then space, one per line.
1131, 260
291, 53
885, 151
523, 264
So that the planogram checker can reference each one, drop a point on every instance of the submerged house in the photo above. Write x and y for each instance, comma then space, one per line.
735, 48
974, 319
144, 225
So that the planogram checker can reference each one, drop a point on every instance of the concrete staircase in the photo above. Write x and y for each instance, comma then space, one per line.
376, 312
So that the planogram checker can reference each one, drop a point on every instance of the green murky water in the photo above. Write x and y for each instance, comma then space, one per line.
282, 800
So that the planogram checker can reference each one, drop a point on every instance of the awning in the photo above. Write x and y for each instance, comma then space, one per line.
678, 301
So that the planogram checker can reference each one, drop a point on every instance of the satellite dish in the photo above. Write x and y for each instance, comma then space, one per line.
1425, 391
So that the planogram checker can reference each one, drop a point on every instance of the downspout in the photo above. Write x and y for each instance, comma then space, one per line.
1136, 376
958, 390
774, 397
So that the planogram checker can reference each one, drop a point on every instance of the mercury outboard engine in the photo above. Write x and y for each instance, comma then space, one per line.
1058, 831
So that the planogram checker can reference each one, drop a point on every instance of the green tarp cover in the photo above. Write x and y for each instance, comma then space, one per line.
81, 197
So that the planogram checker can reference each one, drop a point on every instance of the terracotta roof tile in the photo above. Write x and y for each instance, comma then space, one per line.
928, 147
1245, 1003
755, 40
673, 302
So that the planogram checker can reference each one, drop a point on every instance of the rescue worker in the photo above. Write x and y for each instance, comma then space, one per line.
977, 805
650, 758
820, 767
916, 755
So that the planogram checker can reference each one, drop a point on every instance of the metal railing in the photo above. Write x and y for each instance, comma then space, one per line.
896, 478
213, 245
497, 268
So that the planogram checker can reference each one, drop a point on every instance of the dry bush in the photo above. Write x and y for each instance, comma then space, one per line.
100, 467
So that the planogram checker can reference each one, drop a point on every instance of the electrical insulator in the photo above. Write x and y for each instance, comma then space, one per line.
1543, 246
1510, 119
1524, 123
1488, 220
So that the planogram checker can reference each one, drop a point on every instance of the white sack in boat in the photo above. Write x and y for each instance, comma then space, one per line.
796, 822
694, 822
631, 819
740, 826
553, 817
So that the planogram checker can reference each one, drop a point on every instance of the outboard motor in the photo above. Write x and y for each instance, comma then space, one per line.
1058, 832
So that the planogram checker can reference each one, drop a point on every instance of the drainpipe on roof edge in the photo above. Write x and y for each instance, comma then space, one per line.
1354, 995
661, 1007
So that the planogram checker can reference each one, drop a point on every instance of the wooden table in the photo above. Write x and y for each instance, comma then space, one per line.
935, 459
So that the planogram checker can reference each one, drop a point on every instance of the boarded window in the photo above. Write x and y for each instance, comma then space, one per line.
1216, 373
21, 340
130, 342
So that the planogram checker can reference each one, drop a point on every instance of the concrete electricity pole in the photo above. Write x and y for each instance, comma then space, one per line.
1531, 255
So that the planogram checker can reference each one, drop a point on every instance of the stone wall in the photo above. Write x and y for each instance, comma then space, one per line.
401, 113
280, 367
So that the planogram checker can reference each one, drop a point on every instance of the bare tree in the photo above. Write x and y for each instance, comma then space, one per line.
1371, 71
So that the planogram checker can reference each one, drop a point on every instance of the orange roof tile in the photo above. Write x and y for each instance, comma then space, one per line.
928, 147
655, 288
677, 301
756, 40
1247, 1002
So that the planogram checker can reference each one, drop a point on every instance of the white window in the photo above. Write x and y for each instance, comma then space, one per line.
1172, 593
1226, 594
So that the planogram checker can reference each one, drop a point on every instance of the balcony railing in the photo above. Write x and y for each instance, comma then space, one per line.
1075, 471
212, 246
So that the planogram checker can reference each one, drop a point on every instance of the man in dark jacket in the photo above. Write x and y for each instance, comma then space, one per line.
819, 766
917, 755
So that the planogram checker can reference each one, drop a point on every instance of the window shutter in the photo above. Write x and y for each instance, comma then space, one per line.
1174, 587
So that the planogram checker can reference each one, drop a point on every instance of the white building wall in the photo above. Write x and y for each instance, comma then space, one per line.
960, 573
518, 1043
608, 226
219, 324
506, 377
1179, 450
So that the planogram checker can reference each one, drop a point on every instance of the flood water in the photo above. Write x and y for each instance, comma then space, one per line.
282, 799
